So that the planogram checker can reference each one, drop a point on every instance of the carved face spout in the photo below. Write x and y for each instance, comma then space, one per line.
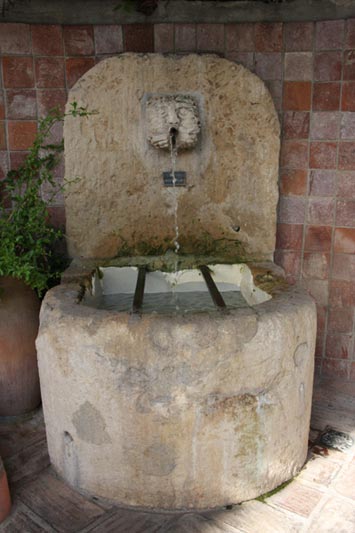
172, 119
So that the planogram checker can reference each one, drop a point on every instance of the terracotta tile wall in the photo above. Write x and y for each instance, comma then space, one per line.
310, 71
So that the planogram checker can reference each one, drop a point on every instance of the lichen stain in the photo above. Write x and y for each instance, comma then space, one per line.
159, 460
90, 425
301, 353
229, 405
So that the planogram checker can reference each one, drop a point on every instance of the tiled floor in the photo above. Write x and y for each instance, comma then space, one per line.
320, 499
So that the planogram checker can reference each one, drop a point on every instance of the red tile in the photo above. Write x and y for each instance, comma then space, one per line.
17, 159
18, 72
326, 96
164, 38
341, 319
268, 66
298, 36
323, 155
48, 99
347, 126
315, 265
294, 154
2, 105
76, 67
108, 39
335, 368
138, 37
49, 72
350, 34
298, 66
293, 181
325, 125
21, 104
57, 216
47, 39
343, 267
243, 58
185, 37
318, 238
346, 184
240, 37
296, 125
322, 313
210, 37
268, 37
327, 66
345, 214
290, 262
4, 197
349, 65
318, 289
78, 40
329, 34
297, 95
338, 346
4, 164
344, 241
15, 38
342, 293
21, 134
2, 136
289, 236
321, 211
348, 96
346, 156
291, 209
322, 183
319, 347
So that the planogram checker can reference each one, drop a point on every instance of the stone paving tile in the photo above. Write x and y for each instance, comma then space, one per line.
59, 505
331, 455
195, 523
23, 520
26, 464
250, 515
297, 498
345, 482
336, 516
319, 470
129, 521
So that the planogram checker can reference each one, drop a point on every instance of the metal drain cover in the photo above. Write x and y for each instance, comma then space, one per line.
336, 440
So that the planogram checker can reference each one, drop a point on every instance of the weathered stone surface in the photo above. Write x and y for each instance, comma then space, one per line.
118, 204
193, 412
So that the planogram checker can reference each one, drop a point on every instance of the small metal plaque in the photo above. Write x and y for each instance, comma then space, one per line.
180, 179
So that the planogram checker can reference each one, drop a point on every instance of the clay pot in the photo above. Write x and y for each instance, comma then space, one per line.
5, 500
19, 320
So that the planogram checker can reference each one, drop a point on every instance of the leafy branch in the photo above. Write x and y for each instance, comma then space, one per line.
27, 239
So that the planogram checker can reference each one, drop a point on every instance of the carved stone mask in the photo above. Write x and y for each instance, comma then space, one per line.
177, 115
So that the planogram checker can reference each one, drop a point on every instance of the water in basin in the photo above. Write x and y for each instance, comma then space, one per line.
169, 302
178, 292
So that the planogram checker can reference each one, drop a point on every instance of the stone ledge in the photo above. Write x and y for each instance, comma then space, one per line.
98, 12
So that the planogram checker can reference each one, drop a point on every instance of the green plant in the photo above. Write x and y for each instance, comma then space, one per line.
27, 239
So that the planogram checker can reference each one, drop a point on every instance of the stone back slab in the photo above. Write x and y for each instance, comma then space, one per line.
116, 203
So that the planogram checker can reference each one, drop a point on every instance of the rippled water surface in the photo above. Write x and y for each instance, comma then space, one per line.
167, 302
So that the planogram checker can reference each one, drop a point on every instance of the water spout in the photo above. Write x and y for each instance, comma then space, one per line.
173, 133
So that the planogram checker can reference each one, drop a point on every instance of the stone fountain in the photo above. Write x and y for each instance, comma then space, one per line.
189, 408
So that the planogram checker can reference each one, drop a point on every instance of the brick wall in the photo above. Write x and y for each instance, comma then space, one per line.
310, 71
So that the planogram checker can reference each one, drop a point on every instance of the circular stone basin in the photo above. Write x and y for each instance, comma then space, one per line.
178, 410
